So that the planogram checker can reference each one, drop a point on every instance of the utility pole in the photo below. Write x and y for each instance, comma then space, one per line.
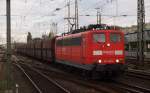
98, 16
116, 14
8, 9
140, 31
68, 4
76, 15
56, 28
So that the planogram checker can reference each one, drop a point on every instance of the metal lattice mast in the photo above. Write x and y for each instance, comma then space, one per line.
98, 16
68, 4
76, 15
140, 30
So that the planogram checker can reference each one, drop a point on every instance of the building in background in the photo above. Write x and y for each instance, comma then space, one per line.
133, 28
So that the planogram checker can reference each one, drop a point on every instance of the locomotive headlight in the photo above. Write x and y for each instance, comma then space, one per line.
99, 61
117, 60
108, 44
118, 52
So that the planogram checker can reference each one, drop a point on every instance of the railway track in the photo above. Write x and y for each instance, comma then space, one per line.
60, 76
130, 88
111, 87
133, 88
85, 83
119, 84
137, 74
41, 82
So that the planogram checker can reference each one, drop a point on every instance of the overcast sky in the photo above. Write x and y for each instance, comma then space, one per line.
35, 16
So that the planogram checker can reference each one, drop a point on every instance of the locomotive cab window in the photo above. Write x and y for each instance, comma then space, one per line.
59, 43
115, 37
76, 41
99, 38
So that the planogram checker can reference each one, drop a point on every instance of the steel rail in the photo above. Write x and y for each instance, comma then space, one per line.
138, 75
132, 88
37, 88
46, 77
121, 85
84, 83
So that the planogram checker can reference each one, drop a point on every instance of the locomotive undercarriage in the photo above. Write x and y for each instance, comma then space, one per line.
109, 70
98, 71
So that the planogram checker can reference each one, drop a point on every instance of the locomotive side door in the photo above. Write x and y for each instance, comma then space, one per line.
83, 48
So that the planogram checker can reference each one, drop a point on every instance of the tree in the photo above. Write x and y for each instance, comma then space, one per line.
51, 34
29, 37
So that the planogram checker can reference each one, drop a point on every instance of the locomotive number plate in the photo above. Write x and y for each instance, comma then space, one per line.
108, 52
97, 52
109, 61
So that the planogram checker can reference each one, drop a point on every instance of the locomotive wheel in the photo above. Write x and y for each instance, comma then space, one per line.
96, 75
86, 74
69, 69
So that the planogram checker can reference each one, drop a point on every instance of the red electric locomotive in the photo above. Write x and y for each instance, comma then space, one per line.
92, 50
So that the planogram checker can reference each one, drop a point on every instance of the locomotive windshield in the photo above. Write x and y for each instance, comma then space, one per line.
99, 38
115, 37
